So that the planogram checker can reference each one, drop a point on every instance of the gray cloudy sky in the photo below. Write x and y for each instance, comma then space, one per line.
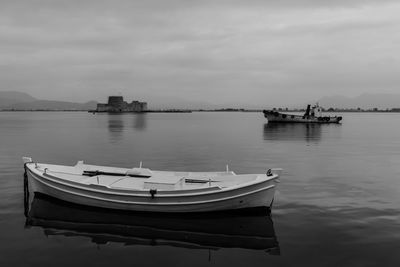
221, 52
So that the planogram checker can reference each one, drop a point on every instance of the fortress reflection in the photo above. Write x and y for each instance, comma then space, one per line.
115, 126
140, 121
118, 121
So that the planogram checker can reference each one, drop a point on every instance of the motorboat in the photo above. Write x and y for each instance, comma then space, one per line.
312, 115
142, 189
254, 231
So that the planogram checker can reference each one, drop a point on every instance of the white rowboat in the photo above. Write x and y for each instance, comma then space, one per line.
141, 189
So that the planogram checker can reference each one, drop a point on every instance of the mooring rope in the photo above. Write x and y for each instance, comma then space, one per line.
26, 191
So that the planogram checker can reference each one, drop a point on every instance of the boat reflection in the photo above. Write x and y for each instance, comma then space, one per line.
200, 231
292, 131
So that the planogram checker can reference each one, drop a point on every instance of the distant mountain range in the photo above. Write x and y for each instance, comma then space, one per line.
8, 98
364, 101
12, 100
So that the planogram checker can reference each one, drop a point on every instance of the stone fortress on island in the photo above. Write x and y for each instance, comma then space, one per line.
117, 104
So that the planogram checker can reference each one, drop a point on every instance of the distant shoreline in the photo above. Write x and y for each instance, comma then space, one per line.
394, 110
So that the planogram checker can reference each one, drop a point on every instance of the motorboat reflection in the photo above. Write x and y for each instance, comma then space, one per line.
253, 231
292, 132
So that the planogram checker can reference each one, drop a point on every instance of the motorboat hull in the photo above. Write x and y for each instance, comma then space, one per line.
250, 195
274, 116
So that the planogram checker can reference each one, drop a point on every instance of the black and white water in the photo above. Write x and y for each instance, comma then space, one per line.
338, 203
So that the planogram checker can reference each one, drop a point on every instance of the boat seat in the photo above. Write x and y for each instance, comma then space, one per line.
165, 182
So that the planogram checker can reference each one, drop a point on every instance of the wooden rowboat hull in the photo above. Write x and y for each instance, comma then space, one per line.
259, 193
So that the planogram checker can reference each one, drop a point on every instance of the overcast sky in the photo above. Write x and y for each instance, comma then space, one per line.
219, 52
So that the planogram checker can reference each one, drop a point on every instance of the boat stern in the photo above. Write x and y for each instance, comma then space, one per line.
277, 171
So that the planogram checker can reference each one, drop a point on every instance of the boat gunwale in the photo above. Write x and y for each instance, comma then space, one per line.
140, 193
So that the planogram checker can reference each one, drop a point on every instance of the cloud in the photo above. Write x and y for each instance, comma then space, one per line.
214, 51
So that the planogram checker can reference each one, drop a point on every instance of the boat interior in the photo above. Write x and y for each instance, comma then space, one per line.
143, 178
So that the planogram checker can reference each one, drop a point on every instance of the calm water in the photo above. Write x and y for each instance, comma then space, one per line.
338, 203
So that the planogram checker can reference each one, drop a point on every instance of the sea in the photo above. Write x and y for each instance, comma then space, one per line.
337, 203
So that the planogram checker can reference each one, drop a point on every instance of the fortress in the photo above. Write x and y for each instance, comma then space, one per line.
117, 104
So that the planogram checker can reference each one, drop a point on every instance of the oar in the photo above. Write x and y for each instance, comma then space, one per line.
199, 181
95, 173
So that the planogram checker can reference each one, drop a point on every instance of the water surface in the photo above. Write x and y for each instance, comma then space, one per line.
337, 204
